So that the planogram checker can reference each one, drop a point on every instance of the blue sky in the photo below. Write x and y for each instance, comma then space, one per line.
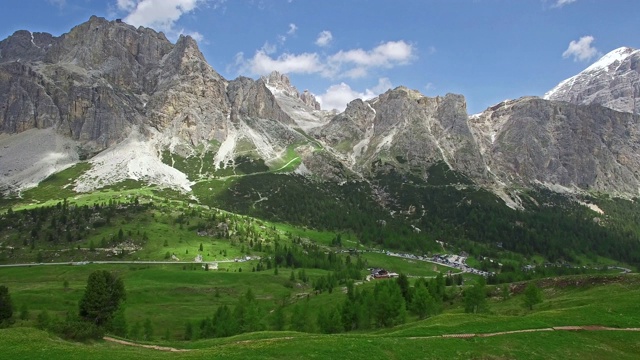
487, 50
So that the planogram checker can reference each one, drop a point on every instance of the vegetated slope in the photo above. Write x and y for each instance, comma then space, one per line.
401, 170
401, 211
573, 301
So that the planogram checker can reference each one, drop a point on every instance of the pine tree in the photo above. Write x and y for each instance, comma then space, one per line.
118, 324
6, 306
475, 300
102, 297
278, 320
532, 296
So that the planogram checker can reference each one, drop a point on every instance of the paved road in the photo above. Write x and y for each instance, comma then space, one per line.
80, 263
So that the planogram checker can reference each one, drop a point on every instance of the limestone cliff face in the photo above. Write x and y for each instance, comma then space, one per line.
89, 83
407, 130
613, 81
532, 140
124, 95
105, 82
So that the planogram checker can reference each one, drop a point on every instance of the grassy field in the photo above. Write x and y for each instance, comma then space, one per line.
170, 295
594, 301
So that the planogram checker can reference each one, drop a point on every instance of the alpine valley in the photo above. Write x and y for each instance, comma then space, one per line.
116, 142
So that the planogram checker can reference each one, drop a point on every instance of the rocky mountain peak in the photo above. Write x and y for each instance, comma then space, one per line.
25, 46
279, 84
613, 81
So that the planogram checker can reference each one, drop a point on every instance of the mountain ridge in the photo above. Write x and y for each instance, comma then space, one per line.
109, 88
613, 81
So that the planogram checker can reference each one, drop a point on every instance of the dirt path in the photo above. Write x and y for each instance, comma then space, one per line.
556, 328
154, 347
459, 336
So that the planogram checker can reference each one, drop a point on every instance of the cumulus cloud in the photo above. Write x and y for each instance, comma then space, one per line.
358, 61
262, 63
581, 49
561, 3
324, 38
352, 64
384, 54
337, 96
292, 29
160, 15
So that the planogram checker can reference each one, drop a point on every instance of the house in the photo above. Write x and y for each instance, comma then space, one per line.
382, 274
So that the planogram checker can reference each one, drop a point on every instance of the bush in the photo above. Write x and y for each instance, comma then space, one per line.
76, 329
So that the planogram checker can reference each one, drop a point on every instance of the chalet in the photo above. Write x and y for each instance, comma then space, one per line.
382, 274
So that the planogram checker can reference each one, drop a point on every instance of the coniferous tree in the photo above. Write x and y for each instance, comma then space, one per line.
102, 297
118, 324
532, 296
6, 306
278, 320
475, 300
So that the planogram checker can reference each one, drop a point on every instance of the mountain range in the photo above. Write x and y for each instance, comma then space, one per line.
135, 106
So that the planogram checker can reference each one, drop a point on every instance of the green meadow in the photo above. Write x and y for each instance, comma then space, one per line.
170, 296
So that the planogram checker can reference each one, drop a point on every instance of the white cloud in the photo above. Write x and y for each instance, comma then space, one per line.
352, 64
269, 48
561, 3
160, 15
292, 29
126, 5
262, 63
581, 50
194, 34
385, 54
324, 38
356, 63
338, 96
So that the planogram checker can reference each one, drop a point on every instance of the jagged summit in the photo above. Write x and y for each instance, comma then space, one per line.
136, 106
612, 81
119, 95
279, 84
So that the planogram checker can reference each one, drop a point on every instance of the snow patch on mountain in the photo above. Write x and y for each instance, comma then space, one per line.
134, 158
617, 55
612, 81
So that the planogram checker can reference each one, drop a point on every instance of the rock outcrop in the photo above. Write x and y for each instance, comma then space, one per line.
613, 81
107, 84
128, 99
561, 145
406, 129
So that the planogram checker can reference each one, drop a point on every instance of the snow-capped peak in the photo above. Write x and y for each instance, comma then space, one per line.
617, 55
609, 82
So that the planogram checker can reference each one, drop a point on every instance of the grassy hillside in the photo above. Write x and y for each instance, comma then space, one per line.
606, 301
